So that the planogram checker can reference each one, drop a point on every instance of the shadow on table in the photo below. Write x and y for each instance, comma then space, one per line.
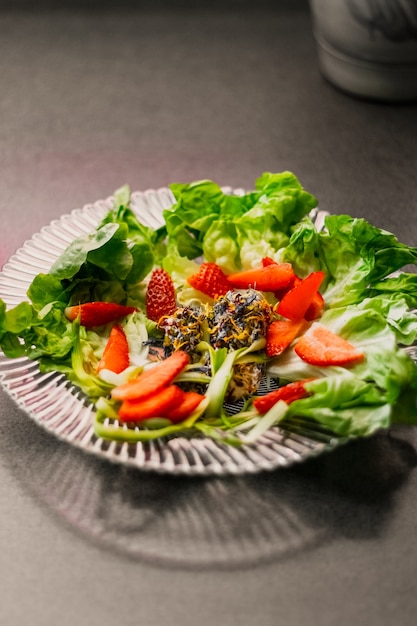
229, 522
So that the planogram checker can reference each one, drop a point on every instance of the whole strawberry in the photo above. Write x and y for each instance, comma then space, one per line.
160, 295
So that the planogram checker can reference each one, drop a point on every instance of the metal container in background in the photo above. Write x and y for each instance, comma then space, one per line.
368, 48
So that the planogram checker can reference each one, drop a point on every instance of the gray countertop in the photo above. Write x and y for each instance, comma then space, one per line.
91, 100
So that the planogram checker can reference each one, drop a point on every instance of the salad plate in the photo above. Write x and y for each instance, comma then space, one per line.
57, 405
225, 283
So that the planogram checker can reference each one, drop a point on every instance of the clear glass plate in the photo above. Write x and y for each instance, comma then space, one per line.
58, 406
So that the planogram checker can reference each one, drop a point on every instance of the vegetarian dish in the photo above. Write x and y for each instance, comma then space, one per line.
234, 316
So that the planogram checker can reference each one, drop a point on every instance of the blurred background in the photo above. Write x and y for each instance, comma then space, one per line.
97, 94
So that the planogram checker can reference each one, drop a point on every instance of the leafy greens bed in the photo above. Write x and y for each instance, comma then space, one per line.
161, 327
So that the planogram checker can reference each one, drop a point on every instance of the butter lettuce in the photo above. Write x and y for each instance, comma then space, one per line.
344, 404
198, 205
367, 396
304, 250
13, 323
141, 246
221, 245
357, 402
234, 230
102, 265
283, 197
357, 258
404, 284
358, 254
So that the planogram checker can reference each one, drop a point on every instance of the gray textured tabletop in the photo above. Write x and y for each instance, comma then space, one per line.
91, 100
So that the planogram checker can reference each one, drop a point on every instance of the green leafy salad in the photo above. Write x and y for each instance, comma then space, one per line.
237, 314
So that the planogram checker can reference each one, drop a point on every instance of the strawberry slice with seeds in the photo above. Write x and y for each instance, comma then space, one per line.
154, 379
270, 277
116, 353
190, 402
159, 404
320, 346
97, 313
288, 393
160, 295
296, 302
210, 280
280, 334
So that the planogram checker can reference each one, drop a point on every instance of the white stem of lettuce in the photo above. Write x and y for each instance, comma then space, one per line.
271, 418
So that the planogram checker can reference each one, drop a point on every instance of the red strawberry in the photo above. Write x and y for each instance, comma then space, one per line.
320, 346
280, 334
97, 313
316, 308
159, 404
289, 393
189, 403
269, 277
160, 295
268, 261
280, 293
210, 280
116, 353
295, 303
153, 380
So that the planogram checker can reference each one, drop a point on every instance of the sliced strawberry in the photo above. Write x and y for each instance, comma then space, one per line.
297, 300
288, 393
210, 280
159, 404
190, 402
160, 295
280, 293
116, 353
268, 261
97, 313
320, 346
153, 380
316, 308
269, 277
280, 334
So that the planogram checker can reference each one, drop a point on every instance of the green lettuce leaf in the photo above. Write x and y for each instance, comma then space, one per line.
75, 255
343, 404
231, 229
358, 260
12, 324
48, 336
45, 290
141, 245
282, 197
221, 245
304, 250
102, 265
365, 321
198, 206
356, 255
404, 284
